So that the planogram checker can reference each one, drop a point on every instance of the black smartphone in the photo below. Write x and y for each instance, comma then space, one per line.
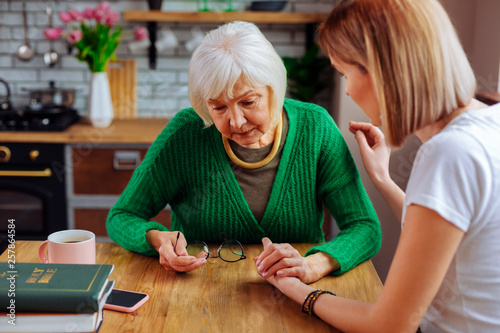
124, 300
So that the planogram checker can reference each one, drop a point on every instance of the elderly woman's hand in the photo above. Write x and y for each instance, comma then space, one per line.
283, 260
174, 259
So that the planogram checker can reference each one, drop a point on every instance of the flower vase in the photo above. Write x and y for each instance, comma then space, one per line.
155, 4
100, 105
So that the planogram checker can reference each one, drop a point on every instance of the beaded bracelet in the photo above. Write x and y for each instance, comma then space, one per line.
307, 306
307, 301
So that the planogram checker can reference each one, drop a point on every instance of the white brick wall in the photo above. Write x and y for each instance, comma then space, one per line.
161, 92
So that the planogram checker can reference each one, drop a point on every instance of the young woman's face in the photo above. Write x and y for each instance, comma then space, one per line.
360, 88
244, 118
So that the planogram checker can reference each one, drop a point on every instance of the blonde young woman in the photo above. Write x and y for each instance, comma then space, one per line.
247, 162
404, 66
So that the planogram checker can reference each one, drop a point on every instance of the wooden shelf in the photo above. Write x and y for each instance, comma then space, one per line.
221, 17
152, 17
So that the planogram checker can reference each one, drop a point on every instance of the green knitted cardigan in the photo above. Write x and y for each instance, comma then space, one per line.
187, 168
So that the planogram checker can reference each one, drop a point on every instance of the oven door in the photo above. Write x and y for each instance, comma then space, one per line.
32, 194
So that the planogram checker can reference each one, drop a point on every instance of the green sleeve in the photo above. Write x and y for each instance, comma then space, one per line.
343, 193
152, 186
128, 219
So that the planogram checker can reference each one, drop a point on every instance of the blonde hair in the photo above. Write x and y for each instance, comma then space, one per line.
233, 50
411, 51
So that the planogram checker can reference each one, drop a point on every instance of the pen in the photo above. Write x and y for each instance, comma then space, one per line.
175, 245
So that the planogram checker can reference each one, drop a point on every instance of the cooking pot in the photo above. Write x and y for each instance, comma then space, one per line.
5, 103
51, 96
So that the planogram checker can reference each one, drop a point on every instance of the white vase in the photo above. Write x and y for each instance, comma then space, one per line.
100, 105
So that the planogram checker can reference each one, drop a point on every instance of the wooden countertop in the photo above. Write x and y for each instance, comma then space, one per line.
140, 130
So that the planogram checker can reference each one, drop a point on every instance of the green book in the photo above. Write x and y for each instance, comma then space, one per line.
30, 287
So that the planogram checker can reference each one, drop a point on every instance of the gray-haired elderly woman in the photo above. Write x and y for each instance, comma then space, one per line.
247, 162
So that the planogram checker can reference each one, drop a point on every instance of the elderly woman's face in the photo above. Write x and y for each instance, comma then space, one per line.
246, 117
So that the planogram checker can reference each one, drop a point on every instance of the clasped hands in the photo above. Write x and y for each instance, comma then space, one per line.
279, 260
276, 260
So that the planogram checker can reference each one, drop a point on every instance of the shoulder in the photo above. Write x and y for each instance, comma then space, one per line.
184, 122
305, 109
186, 117
182, 131
310, 116
451, 146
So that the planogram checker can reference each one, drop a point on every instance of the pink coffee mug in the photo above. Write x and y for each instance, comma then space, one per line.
68, 247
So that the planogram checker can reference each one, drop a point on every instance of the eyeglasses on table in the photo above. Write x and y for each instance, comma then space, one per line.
230, 250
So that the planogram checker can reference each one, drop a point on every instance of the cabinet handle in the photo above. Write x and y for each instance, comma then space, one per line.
17, 173
126, 160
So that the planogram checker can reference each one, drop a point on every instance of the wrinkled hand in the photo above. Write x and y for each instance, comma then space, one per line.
283, 260
374, 150
177, 259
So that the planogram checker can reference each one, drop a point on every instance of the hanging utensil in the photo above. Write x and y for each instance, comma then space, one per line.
25, 52
5, 103
69, 46
50, 58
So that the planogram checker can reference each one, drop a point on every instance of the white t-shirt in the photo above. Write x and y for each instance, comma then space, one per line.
457, 174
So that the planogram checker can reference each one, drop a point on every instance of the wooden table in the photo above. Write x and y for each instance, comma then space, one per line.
219, 297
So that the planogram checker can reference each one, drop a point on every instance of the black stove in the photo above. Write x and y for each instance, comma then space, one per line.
46, 118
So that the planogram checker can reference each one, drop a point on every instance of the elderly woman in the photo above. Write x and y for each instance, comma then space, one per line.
405, 67
246, 162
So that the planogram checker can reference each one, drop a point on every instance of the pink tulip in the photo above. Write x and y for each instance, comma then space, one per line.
88, 13
75, 36
60, 30
52, 33
112, 18
65, 17
75, 15
104, 6
100, 15
140, 33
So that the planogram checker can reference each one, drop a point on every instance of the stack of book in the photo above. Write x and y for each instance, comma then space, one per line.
53, 297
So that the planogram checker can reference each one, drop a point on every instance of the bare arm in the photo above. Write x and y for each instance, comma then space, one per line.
375, 154
414, 278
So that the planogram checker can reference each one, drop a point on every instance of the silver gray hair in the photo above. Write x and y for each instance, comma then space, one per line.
225, 54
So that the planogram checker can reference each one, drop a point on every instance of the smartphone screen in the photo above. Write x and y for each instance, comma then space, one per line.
125, 301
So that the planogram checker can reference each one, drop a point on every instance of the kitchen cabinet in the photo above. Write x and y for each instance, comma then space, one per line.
104, 170
97, 176
154, 16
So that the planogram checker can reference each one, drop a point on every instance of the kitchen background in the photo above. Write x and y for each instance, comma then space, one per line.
163, 91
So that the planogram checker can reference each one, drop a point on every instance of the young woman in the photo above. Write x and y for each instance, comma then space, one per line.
405, 67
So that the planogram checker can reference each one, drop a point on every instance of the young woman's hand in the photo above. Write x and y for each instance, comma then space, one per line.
374, 150
376, 155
